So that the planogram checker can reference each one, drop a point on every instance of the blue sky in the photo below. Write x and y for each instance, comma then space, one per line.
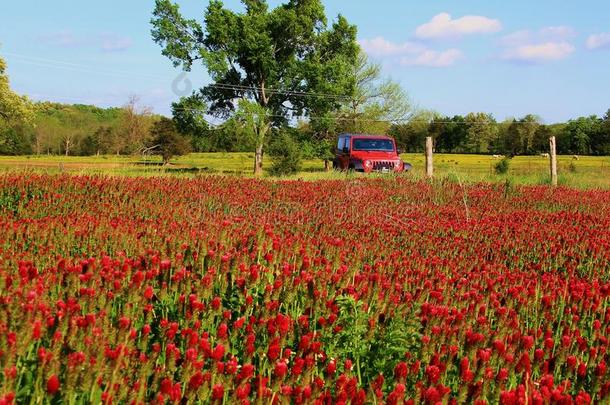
509, 58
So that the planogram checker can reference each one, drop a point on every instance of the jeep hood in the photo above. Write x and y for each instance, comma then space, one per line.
374, 155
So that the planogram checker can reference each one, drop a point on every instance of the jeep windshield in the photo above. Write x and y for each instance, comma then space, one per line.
384, 145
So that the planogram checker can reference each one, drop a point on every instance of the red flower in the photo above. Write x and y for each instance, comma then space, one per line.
148, 292
281, 369
601, 368
218, 353
273, 352
222, 332
433, 373
331, 367
53, 384
196, 381
218, 392
401, 370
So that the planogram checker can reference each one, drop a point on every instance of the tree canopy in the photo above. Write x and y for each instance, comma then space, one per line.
167, 141
15, 112
14, 109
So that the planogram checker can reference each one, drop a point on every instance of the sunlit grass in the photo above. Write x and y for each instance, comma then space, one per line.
584, 172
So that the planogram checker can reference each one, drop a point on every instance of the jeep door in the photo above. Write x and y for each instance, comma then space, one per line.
344, 153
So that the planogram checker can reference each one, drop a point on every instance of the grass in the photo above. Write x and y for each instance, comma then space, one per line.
585, 172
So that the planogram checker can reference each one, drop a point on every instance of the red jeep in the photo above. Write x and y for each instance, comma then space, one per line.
367, 153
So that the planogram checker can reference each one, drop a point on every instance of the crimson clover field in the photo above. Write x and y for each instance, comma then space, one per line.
229, 290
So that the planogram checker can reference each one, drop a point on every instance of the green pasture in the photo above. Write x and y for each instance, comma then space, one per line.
583, 172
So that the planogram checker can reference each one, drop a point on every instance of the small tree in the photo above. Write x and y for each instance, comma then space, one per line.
166, 140
286, 156
134, 126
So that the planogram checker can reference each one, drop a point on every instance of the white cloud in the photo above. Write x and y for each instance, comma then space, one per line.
114, 43
549, 51
409, 53
380, 46
546, 34
544, 45
432, 58
443, 26
598, 41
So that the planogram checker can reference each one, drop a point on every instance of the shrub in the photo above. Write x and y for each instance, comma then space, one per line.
286, 156
502, 166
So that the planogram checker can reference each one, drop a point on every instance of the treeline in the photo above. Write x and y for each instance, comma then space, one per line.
480, 133
60, 129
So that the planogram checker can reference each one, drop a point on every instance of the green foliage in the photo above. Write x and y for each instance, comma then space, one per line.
373, 353
502, 166
586, 135
449, 134
286, 156
88, 130
189, 117
481, 129
411, 135
166, 140
14, 109
374, 102
11, 143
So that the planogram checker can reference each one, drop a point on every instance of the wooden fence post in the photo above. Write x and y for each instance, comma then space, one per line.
553, 159
429, 164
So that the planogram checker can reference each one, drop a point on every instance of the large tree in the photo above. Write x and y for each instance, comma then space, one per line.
15, 112
481, 130
518, 137
286, 59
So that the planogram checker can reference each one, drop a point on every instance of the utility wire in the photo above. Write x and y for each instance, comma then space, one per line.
69, 66
63, 65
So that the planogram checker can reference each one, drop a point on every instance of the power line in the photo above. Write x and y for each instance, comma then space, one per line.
70, 66
63, 65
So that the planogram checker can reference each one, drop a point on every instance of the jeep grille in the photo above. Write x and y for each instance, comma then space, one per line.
380, 165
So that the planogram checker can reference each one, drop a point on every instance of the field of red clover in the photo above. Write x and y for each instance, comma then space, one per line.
228, 290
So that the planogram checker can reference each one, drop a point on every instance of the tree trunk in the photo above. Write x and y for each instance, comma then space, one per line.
258, 161
553, 159
326, 165
429, 164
